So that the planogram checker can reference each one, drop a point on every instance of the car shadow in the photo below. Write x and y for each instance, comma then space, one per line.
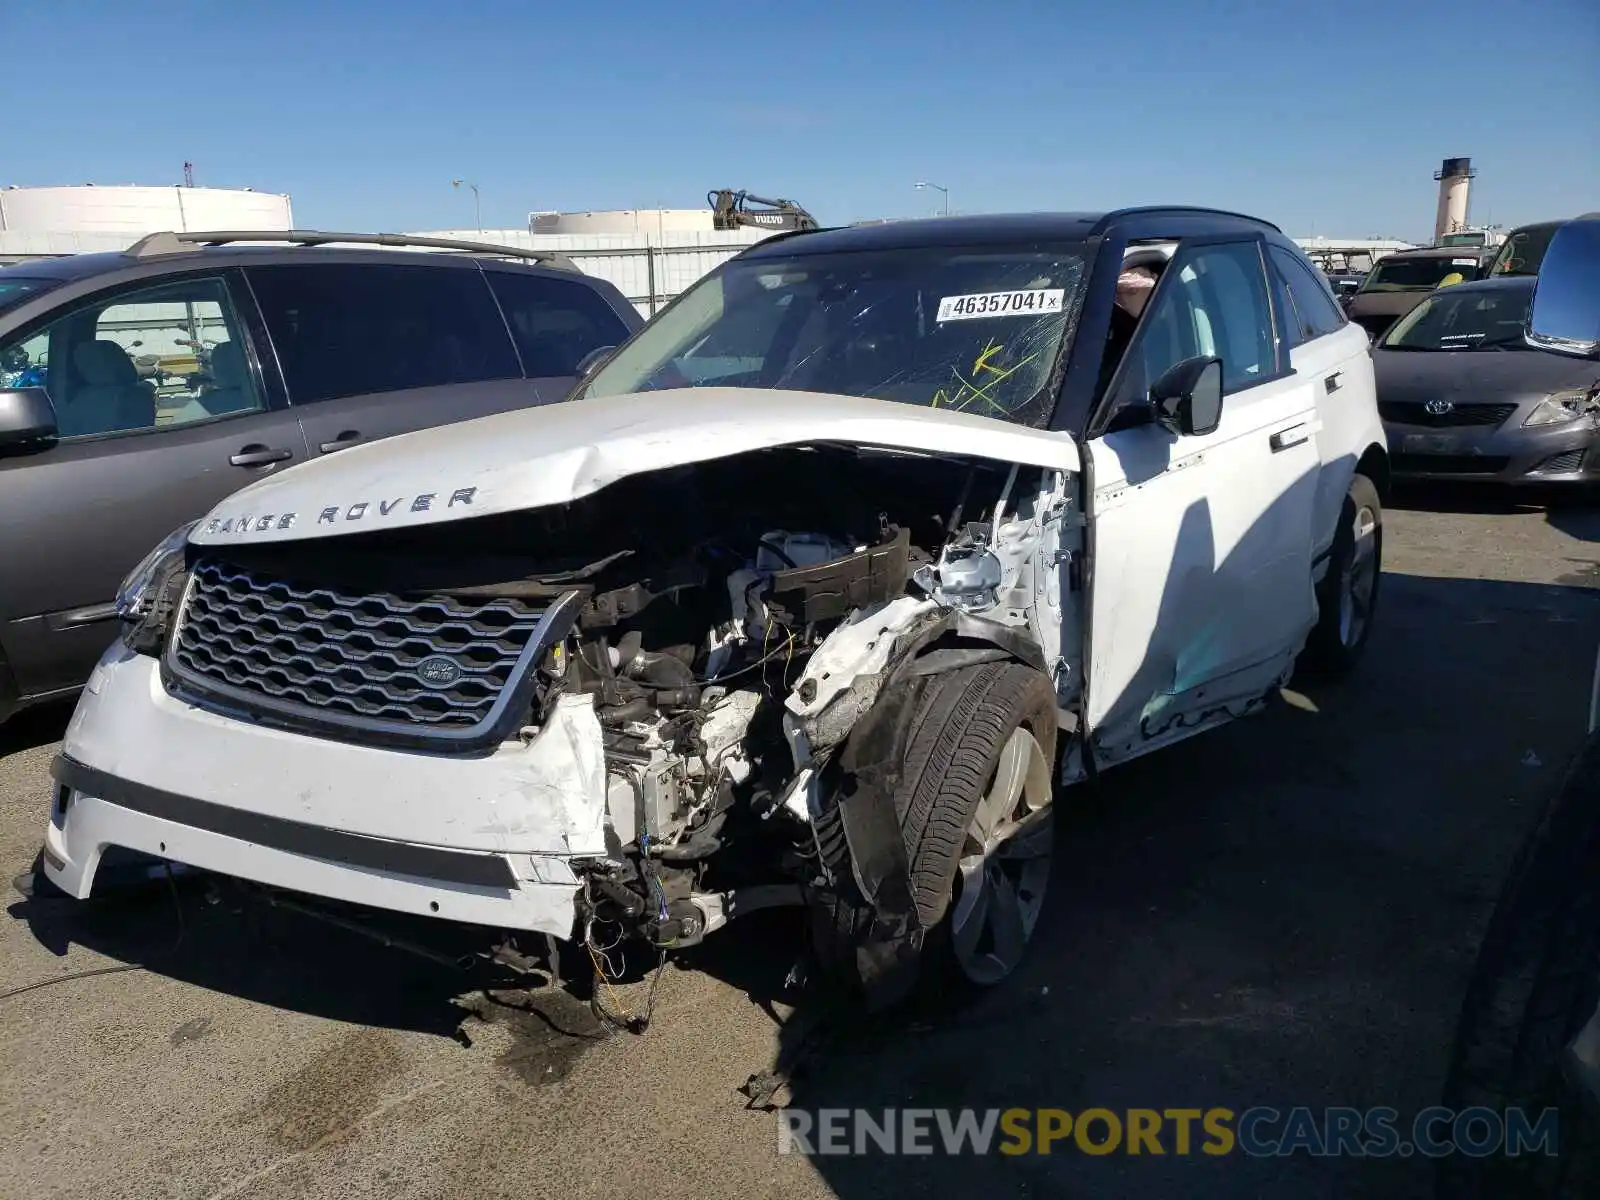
35, 727
1449, 497
1577, 517
188, 929
1282, 912
1575, 510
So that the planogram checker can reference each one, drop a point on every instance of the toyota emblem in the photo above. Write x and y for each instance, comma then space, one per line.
1438, 408
440, 672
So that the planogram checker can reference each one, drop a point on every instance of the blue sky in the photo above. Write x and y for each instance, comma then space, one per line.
1326, 118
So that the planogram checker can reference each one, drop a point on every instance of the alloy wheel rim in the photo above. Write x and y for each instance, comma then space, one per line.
1360, 578
1005, 864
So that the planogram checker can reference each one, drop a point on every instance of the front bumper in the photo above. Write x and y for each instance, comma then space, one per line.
487, 840
1565, 453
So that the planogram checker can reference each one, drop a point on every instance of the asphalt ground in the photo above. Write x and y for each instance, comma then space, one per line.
1282, 912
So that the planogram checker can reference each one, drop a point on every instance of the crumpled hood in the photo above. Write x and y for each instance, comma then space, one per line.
555, 453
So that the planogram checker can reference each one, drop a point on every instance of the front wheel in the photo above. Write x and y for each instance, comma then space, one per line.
1347, 597
973, 804
974, 809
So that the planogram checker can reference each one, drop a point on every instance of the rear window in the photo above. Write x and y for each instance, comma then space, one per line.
1524, 250
1394, 274
1315, 312
349, 329
556, 322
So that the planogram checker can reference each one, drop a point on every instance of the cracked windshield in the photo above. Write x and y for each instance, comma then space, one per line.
975, 330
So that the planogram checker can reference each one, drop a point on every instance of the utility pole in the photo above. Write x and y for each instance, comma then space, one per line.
477, 210
937, 188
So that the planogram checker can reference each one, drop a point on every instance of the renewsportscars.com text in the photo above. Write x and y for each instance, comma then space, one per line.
1214, 1132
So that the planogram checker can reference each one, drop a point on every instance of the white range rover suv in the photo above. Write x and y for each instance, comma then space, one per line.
815, 592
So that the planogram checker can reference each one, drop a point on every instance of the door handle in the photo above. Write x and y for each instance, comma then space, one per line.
1295, 435
1331, 383
257, 455
348, 437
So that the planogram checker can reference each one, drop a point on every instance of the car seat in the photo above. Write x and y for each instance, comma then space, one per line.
107, 394
230, 374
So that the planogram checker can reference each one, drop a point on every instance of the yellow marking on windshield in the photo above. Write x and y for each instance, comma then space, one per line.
967, 392
981, 363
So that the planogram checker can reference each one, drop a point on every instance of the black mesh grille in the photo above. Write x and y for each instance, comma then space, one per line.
1408, 413
437, 662
1572, 460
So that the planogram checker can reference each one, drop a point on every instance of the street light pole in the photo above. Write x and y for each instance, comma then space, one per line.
944, 190
477, 209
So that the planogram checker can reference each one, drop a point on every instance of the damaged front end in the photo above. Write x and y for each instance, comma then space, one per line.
720, 653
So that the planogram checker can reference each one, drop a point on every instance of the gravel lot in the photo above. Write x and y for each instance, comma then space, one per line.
1282, 912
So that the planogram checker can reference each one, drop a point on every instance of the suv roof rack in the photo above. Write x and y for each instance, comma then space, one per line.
168, 242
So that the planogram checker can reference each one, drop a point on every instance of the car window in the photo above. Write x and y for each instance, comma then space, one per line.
351, 329
155, 358
1214, 304
555, 322
1315, 310
1422, 274
974, 328
1523, 251
1472, 319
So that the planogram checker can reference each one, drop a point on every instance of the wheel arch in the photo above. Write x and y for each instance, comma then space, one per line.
1374, 464
865, 772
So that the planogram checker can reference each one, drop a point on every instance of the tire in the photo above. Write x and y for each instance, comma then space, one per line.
1355, 569
980, 754
1535, 984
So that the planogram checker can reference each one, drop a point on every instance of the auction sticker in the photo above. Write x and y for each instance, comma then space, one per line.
1027, 303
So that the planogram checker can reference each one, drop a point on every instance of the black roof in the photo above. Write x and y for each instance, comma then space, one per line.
71, 266
996, 228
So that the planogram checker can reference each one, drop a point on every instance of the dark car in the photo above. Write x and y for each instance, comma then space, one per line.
1528, 1039
1523, 250
1345, 283
1400, 281
1462, 394
139, 388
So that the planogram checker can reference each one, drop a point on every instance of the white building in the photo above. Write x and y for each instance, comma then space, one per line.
47, 221
651, 255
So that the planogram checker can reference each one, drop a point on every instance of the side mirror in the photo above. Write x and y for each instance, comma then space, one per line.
1187, 399
1565, 314
26, 415
590, 362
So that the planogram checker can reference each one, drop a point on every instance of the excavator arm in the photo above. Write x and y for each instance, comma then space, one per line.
731, 210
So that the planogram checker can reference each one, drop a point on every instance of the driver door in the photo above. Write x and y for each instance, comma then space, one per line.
1201, 591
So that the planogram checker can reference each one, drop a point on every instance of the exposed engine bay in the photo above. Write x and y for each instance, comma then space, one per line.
730, 621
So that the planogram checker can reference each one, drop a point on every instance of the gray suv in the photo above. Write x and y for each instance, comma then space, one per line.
137, 389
